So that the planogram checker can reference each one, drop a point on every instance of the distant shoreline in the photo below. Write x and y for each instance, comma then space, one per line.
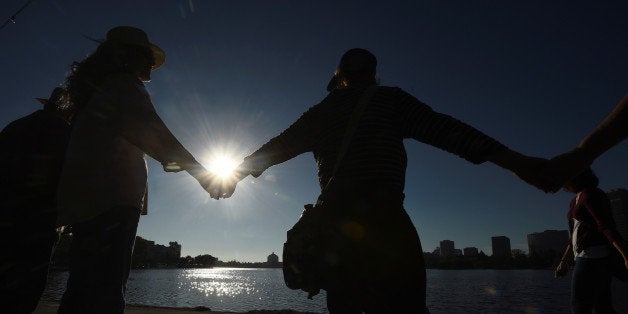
62, 269
50, 307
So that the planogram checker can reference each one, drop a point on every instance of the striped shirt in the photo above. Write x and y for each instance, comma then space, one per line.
376, 154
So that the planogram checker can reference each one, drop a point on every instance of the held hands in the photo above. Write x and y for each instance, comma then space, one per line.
210, 182
526, 168
219, 186
550, 176
564, 167
227, 185
530, 170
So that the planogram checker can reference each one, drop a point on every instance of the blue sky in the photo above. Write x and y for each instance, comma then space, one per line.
537, 76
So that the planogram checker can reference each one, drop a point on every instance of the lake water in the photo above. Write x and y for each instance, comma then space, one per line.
238, 290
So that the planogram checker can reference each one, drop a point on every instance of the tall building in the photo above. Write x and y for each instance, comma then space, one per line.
447, 248
471, 251
619, 206
548, 240
501, 246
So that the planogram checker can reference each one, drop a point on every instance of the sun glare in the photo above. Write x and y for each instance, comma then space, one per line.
223, 166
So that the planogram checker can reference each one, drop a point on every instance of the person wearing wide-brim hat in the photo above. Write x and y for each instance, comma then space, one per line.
32, 150
103, 186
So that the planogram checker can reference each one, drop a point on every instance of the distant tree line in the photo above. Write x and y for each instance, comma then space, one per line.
518, 260
146, 254
236, 264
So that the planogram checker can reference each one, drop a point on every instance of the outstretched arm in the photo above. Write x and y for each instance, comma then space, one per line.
138, 122
525, 167
295, 140
447, 133
610, 132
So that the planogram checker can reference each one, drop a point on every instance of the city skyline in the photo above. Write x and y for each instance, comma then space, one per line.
537, 76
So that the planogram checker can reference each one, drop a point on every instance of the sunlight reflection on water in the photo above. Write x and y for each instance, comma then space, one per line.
229, 283
220, 289
240, 290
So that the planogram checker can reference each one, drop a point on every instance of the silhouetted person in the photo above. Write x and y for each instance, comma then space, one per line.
593, 236
32, 151
377, 259
104, 181
610, 132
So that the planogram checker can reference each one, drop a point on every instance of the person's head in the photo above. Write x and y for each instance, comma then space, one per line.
134, 52
57, 103
586, 179
125, 49
357, 68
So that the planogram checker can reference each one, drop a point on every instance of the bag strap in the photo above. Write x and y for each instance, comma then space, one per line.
351, 127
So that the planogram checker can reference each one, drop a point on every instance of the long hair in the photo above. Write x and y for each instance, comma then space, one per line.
86, 76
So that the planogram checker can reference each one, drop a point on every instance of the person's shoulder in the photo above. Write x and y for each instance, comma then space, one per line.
390, 89
24, 125
394, 91
25, 120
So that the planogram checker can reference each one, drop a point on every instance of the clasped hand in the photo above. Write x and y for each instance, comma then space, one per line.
218, 186
551, 175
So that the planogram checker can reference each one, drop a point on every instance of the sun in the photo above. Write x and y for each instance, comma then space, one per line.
223, 166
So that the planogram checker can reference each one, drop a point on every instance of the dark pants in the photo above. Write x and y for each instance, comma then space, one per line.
27, 238
24, 269
101, 252
381, 267
591, 286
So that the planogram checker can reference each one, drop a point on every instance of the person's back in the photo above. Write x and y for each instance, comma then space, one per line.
374, 259
33, 149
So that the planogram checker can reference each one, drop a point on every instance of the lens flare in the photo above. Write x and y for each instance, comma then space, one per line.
223, 166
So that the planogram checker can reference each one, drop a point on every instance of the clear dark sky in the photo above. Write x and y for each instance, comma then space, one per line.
536, 75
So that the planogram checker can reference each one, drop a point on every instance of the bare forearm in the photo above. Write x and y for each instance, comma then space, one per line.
153, 137
609, 133
507, 159
525, 167
622, 247
568, 253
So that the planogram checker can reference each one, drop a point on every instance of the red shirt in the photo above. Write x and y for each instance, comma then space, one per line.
593, 210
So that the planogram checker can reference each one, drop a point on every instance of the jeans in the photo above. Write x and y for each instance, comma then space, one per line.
591, 286
100, 261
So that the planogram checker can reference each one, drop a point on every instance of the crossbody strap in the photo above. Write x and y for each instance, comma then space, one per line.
351, 127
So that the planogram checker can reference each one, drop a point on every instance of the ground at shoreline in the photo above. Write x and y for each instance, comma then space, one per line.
48, 307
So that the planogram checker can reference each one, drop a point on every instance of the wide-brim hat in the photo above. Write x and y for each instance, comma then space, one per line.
129, 35
356, 60
56, 94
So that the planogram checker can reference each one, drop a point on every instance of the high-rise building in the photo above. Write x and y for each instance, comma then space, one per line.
619, 206
548, 240
501, 246
447, 248
470, 251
